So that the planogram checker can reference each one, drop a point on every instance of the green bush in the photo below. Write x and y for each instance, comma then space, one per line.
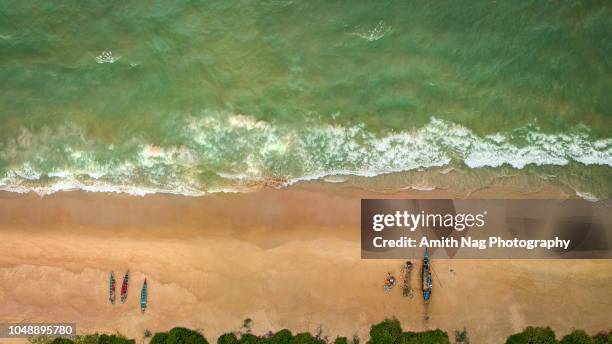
87, 339
114, 339
159, 338
427, 337
181, 335
533, 335
281, 337
62, 341
228, 338
577, 337
248, 338
178, 335
386, 332
341, 340
390, 332
306, 338
603, 338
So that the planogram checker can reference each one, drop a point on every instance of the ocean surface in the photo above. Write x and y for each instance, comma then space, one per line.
197, 97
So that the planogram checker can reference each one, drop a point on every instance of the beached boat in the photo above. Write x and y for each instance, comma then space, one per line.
124, 287
406, 289
111, 291
426, 277
143, 297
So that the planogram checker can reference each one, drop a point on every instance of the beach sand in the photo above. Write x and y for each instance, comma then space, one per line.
286, 258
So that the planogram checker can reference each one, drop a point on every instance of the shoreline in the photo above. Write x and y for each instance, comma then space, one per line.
446, 181
286, 258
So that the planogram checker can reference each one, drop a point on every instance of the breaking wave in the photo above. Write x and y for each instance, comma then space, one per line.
238, 153
374, 34
106, 57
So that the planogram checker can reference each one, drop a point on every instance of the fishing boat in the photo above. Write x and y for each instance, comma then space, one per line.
143, 297
124, 287
406, 289
111, 289
426, 277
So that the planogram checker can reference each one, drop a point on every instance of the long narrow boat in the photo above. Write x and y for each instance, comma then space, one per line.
406, 289
426, 277
143, 297
124, 287
111, 291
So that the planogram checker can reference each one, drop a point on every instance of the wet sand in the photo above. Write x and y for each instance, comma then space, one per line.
285, 258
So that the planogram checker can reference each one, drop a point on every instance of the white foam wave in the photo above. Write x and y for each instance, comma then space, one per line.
587, 196
419, 188
243, 152
102, 187
335, 179
374, 34
106, 57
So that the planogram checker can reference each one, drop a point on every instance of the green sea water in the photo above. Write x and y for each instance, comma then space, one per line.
193, 97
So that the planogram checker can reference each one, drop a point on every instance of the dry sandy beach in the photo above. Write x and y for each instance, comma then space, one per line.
285, 258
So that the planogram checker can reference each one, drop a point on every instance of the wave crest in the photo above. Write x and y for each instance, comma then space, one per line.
237, 152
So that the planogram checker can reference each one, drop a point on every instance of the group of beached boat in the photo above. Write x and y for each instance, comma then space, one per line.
426, 280
124, 290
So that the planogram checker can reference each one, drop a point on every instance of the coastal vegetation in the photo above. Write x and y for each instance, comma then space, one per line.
388, 331
545, 335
